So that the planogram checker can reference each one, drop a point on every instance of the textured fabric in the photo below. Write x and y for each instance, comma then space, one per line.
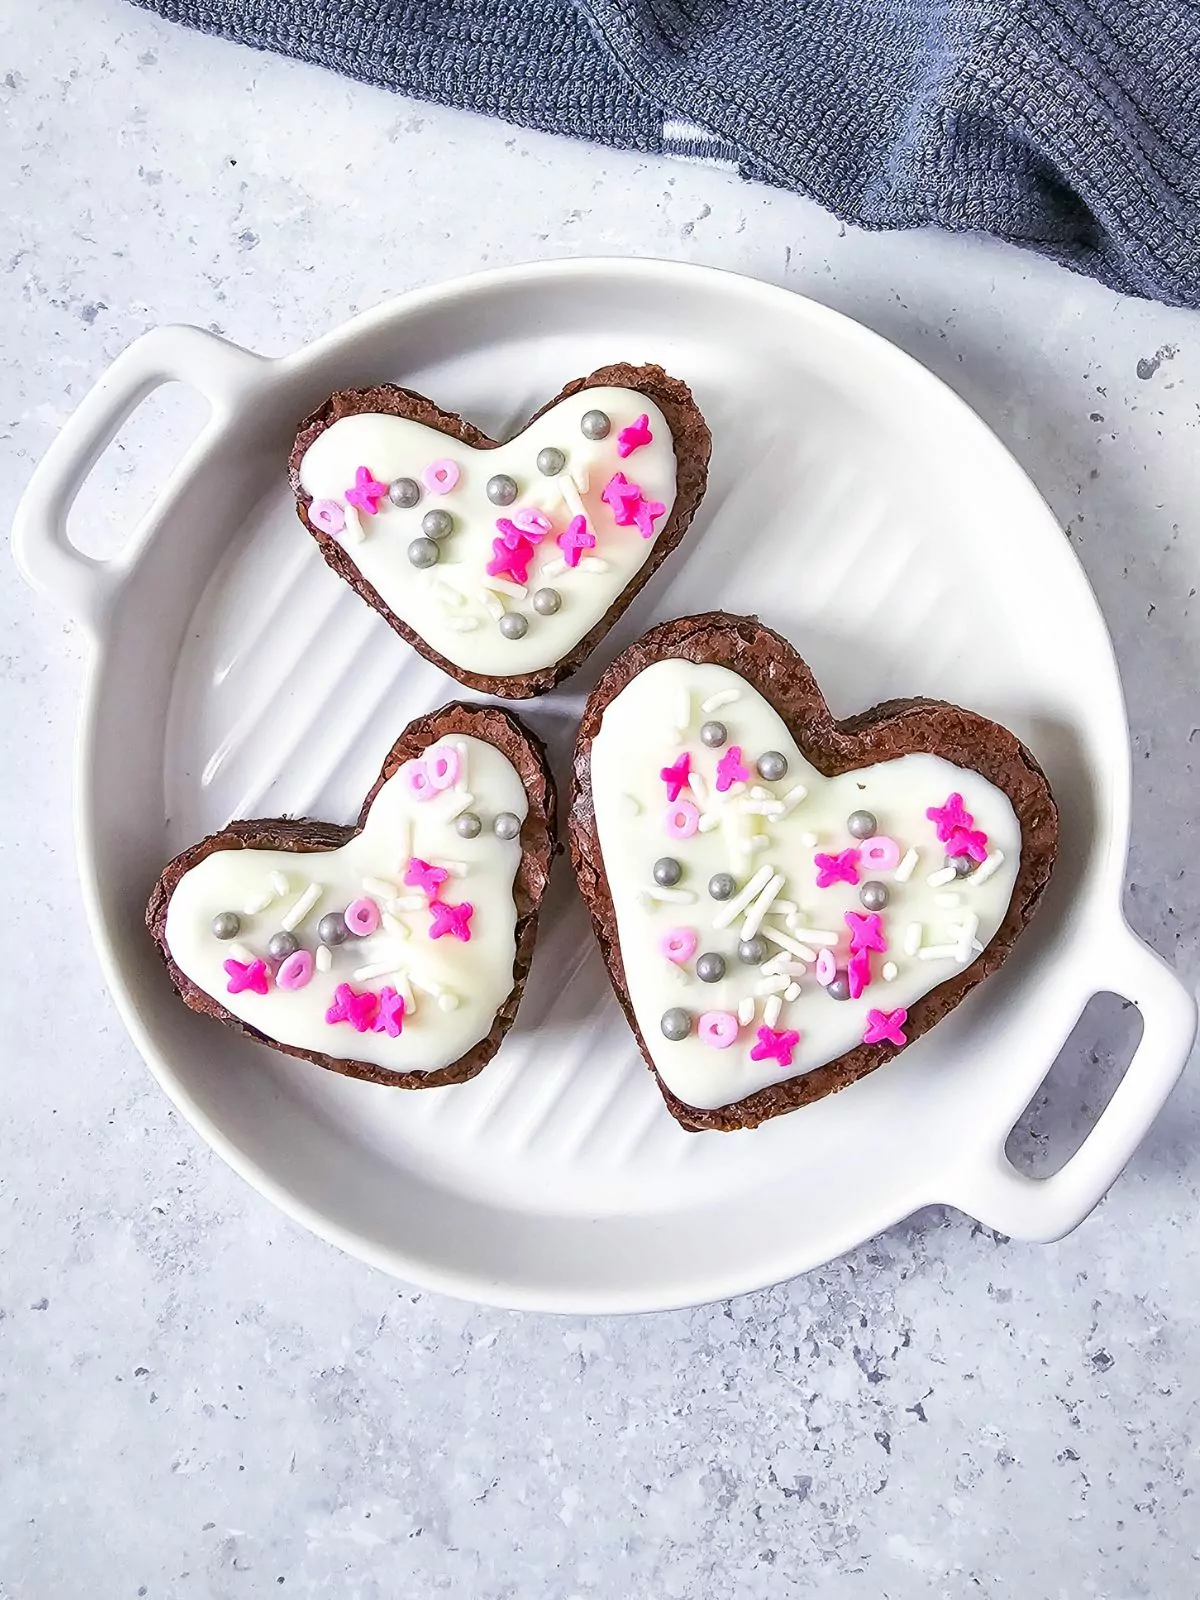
1070, 126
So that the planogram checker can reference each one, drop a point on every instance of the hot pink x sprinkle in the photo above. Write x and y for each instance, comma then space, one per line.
359, 1010
526, 527
839, 868
773, 1046
451, 919
950, 816
885, 1025
250, 975
866, 930
575, 540
645, 514
676, 775
634, 436
419, 874
731, 768
858, 973
367, 491
391, 1012
624, 498
967, 842
511, 560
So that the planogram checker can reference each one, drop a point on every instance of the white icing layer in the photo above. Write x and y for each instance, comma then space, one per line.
773, 830
450, 604
453, 988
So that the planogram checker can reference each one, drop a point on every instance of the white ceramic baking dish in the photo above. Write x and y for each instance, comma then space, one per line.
860, 508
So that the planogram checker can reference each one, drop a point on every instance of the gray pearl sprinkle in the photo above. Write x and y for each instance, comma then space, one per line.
675, 1023
281, 945
753, 952
404, 492
963, 865
667, 871
546, 601
467, 826
721, 886
506, 825
772, 766
332, 928
550, 462
226, 925
874, 896
513, 625
839, 989
710, 967
595, 424
502, 490
423, 553
713, 734
861, 824
437, 524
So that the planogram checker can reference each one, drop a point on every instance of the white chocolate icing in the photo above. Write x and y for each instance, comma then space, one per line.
927, 942
475, 976
444, 603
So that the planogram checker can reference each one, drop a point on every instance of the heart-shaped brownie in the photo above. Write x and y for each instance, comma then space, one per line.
504, 564
784, 901
395, 950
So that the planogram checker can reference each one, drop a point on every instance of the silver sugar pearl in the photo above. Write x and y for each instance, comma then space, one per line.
874, 896
753, 952
226, 925
963, 865
667, 871
437, 524
332, 928
710, 967
722, 886
506, 825
424, 553
772, 766
595, 424
513, 625
676, 1023
404, 492
713, 734
839, 988
281, 945
467, 825
550, 462
502, 490
546, 601
861, 824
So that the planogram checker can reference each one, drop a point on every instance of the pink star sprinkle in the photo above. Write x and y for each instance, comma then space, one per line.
575, 540
858, 973
731, 768
967, 842
839, 868
645, 514
391, 1012
359, 1010
623, 497
511, 559
885, 1025
451, 919
773, 1046
866, 930
419, 874
676, 775
250, 975
634, 436
950, 816
367, 492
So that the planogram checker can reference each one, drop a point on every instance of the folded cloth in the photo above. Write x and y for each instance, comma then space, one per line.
1068, 126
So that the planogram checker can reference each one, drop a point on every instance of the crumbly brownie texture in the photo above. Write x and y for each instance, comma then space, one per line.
692, 447
301, 835
896, 728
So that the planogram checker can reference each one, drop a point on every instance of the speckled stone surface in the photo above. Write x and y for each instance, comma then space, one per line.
199, 1400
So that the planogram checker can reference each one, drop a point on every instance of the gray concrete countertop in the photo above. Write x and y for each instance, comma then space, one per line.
199, 1399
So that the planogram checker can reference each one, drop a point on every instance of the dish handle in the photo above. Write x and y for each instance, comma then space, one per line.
1044, 1209
82, 585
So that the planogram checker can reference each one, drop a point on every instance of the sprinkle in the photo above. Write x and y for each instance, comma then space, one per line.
376, 969
242, 953
504, 586
699, 788
762, 808
786, 942
947, 898
633, 806
976, 947
762, 904
403, 838
302, 907
555, 568
679, 897
324, 958
427, 986
990, 865
581, 477
406, 902
683, 710
260, 902
756, 841
447, 1001
456, 869
381, 888
723, 697
809, 839
354, 531
461, 624
279, 883
771, 1010
398, 929
826, 968
889, 972
759, 793
709, 821
733, 909
792, 992
775, 984
913, 935
938, 952
461, 800
774, 1046
569, 490
448, 594
785, 908
817, 936
745, 1010
885, 1026
943, 875
966, 934
905, 870
593, 564
493, 607
792, 799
